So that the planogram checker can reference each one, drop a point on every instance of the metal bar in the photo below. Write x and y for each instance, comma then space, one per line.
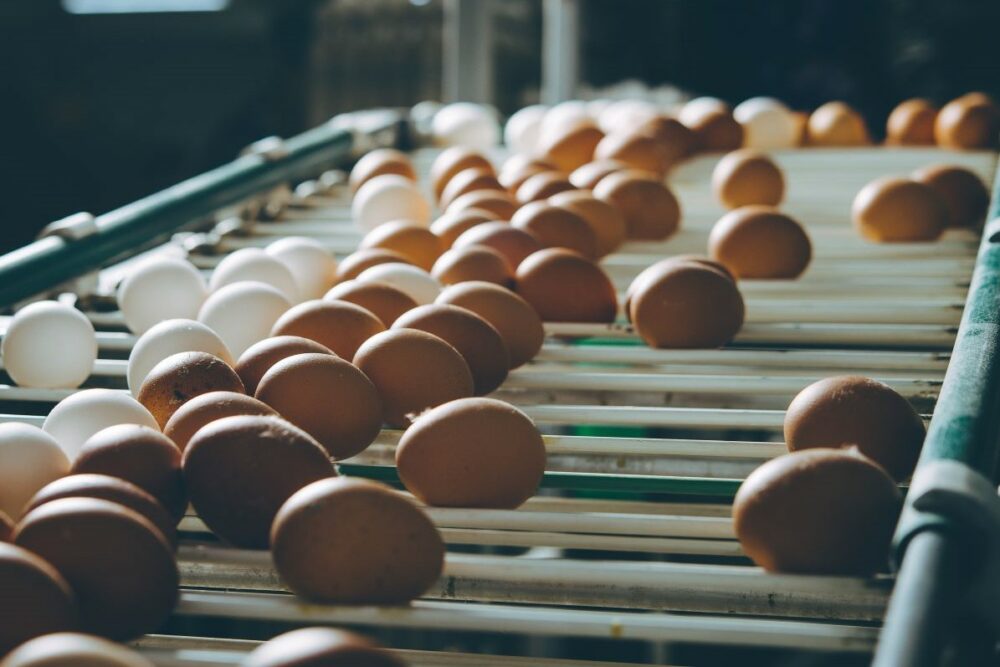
468, 51
560, 50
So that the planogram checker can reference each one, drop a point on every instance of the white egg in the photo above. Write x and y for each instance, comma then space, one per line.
626, 114
561, 115
693, 110
466, 124
254, 264
71, 648
167, 338
767, 123
49, 345
243, 313
160, 288
75, 418
522, 129
389, 197
311, 265
412, 280
30, 458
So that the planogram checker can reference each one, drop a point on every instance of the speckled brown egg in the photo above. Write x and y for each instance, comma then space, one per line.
180, 377
342, 540
513, 243
716, 130
413, 371
479, 343
564, 286
453, 223
587, 176
209, 407
969, 122
760, 242
636, 149
855, 411
418, 244
963, 193
892, 210
837, 124
378, 162
320, 647
570, 145
500, 205
338, 325
747, 177
651, 273
475, 262
676, 140
650, 209
39, 598
822, 511
452, 160
469, 180
606, 221
354, 264
517, 322
557, 227
6, 527
473, 452
382, 299
260, 356
911, 123
542, 186
326, 397
265, 459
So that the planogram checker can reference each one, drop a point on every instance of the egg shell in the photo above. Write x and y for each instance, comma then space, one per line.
894, 210
158, 289
746, 177
513, 243
564, 286
696, 108
253, 264
717, 131
389, 197
821, 511
451, 161
466, 124
963, 193
469, 180
524, 127
77, 417
418, 284
570, 145
261, 356
512, 177
49, 345
339, 326
911, 123
39, 598
837, 124
473, 452
650, 209
760, 243
379, 162
320, 647
556, 227
636, 149
359, 260
243, 313
767, 124
312, 266
207, 408
6, 527
651, 273
587, 176
340, 541
676, 140
473, 263
500, 205
568, 113
62, 649
418, 244
167, 338
120, 566
326, 397
606, 221
453, 223
382, 299
180, 377
542, 186
267, 459
969, 122
30, 458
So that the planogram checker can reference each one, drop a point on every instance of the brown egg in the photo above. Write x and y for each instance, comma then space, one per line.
113, 489
717, 131
326, 397
6, 527
747, 177
473, 452
652, 272
650, 209
971, 121
500, 205
604, 219
542, 186
382, 299
119, 565
207, 408
557, 227
586, 177
564, 286
418, 244
341, 541
823, 511
37, 599
683, 304
476, 340
469, 180
513, 243
413, 371
475, 262
180, 377
354, 264
855, 411
72, 649
676, 140
378, 162
519, 168
259, 358
519, 325
636, 149
760, 242
338, 325
320, 647
453, 223
893, 210
571, 145
911, 123
801, 119
837, 124
140, 455
266, 460
963, 193
452, 160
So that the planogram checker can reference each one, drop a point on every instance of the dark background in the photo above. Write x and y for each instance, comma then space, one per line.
100, 110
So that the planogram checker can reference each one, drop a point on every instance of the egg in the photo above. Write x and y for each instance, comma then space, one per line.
389, 197
837, 124
822, 511
473, 263
266, 460
158, 289
70, 648
418, 244
971, 121
499, 205
747, 177
120, 566
45, 602
451, 161
523, 128
760, 243
311, 265
892, 210
964, 195
587, 176
636, 149
379, 162
685, 305
653, 271
717, 131
182, 376
676, 140
542, 186
911, 123
698, 107
565, 113
340, 326
243, 313
413, 371
570, 145
75, 418
167, 338
650, 209
767, 124
465, 124
340, 541
473, 337
564, 286
253, 264
326, 397
258, 358
382, 299
214, 405
6, 527
359, 260
555, 226
453, 223
515, 320
519, 168
140, 455
469, 180
413, 281
30, 458
49, 345
473, 452
604, 220
625, 114
320, 647
513, 243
